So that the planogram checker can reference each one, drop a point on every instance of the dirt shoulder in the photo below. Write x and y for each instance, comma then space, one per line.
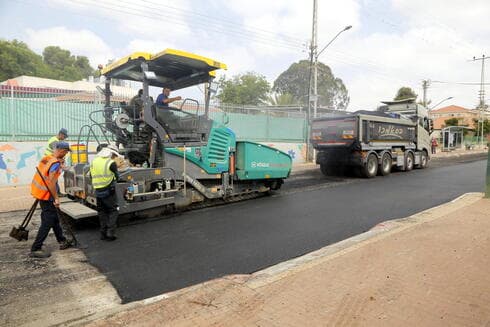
45, 292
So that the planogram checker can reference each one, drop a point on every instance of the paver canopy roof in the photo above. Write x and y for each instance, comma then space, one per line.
174, 69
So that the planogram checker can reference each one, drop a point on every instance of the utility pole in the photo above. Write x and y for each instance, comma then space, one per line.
425, 86
312, 56
481, 105
314, 48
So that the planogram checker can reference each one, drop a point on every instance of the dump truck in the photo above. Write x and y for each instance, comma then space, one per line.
397, 135
176, 157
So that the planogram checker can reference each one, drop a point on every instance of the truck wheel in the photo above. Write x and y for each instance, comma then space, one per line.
424, 160
385, 165
326, 170
370, 168
408, 161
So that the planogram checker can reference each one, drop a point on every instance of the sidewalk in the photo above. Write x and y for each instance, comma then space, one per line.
19, 198
430, 269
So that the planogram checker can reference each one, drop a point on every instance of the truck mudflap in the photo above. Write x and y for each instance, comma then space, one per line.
341, 155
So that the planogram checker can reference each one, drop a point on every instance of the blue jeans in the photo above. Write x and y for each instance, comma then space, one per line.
49, 219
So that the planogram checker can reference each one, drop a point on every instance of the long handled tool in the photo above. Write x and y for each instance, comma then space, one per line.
61, 217
21, 233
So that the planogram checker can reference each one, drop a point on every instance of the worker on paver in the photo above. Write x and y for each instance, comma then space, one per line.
62, 135
163, 99
50, 168
103, 170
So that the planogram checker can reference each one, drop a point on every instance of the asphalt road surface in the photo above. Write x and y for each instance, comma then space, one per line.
311, 212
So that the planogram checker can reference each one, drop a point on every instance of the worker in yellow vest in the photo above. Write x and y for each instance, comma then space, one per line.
62, 135
103, 171
50, 168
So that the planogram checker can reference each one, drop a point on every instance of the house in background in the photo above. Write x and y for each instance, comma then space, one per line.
464, 116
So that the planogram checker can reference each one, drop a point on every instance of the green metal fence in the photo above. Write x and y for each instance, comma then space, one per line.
35, 116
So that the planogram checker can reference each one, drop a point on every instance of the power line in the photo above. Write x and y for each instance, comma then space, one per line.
460, 83
129, 9
195, 13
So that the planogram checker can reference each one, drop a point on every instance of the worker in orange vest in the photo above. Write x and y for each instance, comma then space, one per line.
50, 167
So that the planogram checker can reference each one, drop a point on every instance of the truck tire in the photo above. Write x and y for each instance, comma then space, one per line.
424, 160
385, 164
370, 168
409, 162
326, 170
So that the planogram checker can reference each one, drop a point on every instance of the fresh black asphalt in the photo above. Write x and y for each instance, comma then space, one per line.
164, 255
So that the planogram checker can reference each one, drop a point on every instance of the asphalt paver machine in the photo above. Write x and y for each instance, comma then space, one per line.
177, 158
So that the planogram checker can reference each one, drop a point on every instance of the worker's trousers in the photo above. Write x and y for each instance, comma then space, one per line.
108, 212
49, 219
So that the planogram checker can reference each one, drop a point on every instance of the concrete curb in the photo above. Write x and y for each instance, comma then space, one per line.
307, 261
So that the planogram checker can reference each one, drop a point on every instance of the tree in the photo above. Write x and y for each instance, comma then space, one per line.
331, 90
65, 66
405, 93
451, 122
249, 88
282, 99
17, 59
486, 127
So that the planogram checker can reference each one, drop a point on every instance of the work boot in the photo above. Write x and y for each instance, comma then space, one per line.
66, 244
39, 254
110, 238
103, 236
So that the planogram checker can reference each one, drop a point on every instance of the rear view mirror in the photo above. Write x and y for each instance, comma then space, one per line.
213, 87
150, 75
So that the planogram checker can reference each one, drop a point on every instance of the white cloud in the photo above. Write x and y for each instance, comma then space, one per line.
152, 46
79, 42
159, 19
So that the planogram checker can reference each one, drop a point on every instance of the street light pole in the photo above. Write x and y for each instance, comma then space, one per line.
449, 98
315, 67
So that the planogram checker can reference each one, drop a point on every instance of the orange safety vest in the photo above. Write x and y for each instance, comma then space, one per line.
38, 188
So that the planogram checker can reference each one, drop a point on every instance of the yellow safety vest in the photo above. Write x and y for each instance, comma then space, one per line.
102, 176
50, 146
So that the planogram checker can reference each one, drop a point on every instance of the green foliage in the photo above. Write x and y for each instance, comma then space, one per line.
65, 66
17, 59
331, 90
282, 99
451, 122
249, 88
486, 127
405, 93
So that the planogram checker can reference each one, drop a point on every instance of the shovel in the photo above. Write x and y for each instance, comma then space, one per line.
21, 233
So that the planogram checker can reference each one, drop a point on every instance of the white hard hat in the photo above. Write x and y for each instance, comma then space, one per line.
108, 151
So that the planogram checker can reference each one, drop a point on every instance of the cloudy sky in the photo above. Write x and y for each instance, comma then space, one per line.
393, 43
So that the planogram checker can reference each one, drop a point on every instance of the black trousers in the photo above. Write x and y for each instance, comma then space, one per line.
107, 210
49, 219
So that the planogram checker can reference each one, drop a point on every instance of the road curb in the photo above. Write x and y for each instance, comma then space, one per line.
307, 261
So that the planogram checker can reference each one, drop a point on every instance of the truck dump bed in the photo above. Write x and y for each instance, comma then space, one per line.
361, 128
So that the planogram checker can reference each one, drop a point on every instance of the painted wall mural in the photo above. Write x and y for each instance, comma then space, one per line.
18, 160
